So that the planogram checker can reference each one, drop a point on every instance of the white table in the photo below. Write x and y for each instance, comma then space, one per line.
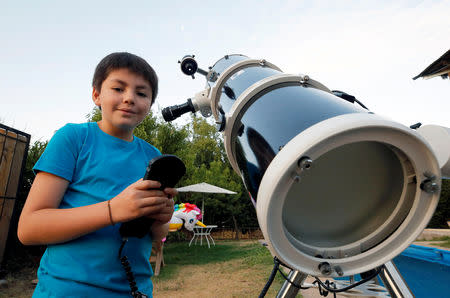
200, 232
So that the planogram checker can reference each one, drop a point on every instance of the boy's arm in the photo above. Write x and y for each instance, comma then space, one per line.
159, 230
41, 222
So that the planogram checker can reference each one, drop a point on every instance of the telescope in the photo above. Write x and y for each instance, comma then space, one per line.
338, 190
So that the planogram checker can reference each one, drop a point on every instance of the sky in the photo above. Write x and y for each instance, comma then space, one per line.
370, 49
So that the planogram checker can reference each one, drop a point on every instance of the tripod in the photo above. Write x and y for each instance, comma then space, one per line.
389, 274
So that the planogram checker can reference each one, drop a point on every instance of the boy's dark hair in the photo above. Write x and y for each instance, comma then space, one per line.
129, 61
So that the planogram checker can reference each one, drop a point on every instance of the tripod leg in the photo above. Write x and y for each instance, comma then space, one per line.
394, 282
288, 290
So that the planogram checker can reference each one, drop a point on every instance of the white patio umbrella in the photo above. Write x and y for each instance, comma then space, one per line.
205, 188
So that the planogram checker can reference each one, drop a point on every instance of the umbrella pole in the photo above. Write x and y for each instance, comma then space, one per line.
203, 207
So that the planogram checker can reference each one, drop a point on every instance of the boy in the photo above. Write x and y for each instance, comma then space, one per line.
88, 181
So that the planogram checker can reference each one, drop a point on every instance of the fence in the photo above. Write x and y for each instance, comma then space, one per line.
229, 233
13, 151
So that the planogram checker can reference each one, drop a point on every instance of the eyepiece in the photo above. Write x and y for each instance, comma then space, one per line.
173, 112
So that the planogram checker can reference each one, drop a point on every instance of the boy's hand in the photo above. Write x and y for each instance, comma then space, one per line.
165, 213
141, 199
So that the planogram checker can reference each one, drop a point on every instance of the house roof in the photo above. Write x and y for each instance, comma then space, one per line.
440, 67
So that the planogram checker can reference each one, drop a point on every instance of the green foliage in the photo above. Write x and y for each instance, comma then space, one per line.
206, 161
259, 255
171, 139
95, 115
34, 153
178, 236
446, 244
182, 254
442, 213
443, 241
251, 253
205, 146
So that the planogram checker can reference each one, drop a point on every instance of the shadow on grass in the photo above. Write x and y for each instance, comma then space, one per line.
177, 255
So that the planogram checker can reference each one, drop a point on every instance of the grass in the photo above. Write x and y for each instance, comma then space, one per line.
229, 269
443, 241
443, 238
445, 244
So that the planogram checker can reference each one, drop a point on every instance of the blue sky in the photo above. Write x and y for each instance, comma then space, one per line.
49, 50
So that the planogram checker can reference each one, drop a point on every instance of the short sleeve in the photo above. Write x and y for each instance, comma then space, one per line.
60, 155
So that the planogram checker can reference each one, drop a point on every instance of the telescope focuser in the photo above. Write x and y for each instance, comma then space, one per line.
200, 102
173, 112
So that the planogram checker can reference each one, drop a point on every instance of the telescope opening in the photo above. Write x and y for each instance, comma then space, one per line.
351, 199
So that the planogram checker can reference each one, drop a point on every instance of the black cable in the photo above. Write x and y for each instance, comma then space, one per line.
275, 259
373, 275
361, 104
271, 278
348, 97
324, 292
130, 276
124, 240
327, 283
289, 281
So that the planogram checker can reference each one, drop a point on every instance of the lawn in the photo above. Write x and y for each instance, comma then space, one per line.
229, 269
443, 241
439, 241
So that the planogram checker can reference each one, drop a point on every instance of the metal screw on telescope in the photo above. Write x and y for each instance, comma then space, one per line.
212, 76
325, 268
305, 163
304, 79
338, 270
296, 177
429, 185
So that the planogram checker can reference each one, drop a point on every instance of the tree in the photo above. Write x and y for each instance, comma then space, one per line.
206, 144
442, 213
167, 137
207, 162
34, 153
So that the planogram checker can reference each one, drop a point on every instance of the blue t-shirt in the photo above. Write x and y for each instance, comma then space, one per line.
98, 167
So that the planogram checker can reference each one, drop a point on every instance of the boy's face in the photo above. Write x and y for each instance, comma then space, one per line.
125, 100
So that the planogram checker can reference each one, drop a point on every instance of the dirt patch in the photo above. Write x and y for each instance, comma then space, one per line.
18, 284
228, 279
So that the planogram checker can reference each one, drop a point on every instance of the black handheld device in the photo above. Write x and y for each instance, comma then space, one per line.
168, 170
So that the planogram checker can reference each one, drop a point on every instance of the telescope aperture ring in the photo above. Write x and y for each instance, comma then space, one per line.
414, 207
216, 90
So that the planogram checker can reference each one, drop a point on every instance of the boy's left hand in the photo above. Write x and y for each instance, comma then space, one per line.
165, 214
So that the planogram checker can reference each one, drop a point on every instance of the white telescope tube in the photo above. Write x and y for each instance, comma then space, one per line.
439, 139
